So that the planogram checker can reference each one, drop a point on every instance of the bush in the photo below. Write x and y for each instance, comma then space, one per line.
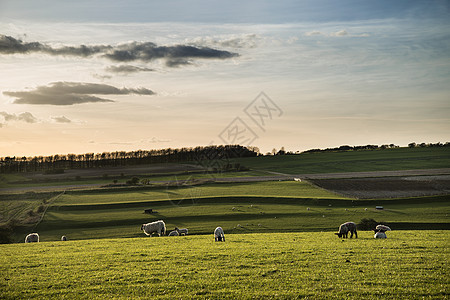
367, 224
133, 181
40, 209
6, 235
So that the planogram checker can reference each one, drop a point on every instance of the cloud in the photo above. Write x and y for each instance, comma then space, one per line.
24, 117
61, 119
126, 69
175, 63
242, 41
10, 45
339, 33
150, 51
315, 32
70, 93
133, 51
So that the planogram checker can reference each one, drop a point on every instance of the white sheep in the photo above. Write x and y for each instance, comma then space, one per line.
63, 238
380, 235
182, 231
32, 238
174, 233
219, 235
381, 228
158, 226
345, 228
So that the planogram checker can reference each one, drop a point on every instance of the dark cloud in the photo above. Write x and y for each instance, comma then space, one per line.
133, 51
126, 69
70, 93
24, 117
61, 119
174, 63
10, 45
149, 51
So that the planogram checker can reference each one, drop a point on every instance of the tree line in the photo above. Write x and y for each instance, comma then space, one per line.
60, 162
368, 147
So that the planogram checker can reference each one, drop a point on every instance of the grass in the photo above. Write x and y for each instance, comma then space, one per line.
353, 161
263, 266
238, 208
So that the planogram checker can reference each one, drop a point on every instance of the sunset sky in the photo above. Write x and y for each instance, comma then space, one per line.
94, 76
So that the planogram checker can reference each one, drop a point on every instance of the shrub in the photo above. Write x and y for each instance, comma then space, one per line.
6, 234
40, 209
133, 181
367, 224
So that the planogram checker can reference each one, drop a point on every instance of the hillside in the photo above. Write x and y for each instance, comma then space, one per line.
407, 265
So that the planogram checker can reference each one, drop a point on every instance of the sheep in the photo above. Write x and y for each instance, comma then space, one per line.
345, 228
63, 238
381, 228
174, 233
32, 238
219, 235
380, 235
158, 226
182, 231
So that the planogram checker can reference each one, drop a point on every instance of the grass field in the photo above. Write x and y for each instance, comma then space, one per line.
237, 207
280, 242
316, 265
353, 161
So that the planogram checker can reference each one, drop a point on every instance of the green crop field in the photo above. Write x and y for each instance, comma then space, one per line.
353, 161
237, 207
316, 265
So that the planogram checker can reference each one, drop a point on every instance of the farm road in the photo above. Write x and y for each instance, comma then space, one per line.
411, 174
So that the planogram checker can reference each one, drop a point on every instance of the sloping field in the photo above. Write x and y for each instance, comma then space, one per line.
312, 265
237, 207
387, 187
353, 161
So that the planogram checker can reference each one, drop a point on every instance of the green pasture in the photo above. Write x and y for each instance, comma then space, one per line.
352, 161
161, 193
237, 207
314, 265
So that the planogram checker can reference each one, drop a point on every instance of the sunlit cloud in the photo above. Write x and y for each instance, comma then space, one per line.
61, 119
24, 117
70, 93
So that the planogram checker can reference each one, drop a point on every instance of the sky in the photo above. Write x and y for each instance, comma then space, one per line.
95, 76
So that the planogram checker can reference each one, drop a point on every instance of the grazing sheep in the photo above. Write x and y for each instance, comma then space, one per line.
219, 235
381, 228
345, 228
63, 238
174, 233
32, 238
158, 226
380, 235
182, 231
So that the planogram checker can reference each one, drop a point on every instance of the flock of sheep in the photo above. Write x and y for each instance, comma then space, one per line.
344, 229
159, 227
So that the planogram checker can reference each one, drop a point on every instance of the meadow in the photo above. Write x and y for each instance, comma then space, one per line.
352, 161
279, 235
314, 265
280, 206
